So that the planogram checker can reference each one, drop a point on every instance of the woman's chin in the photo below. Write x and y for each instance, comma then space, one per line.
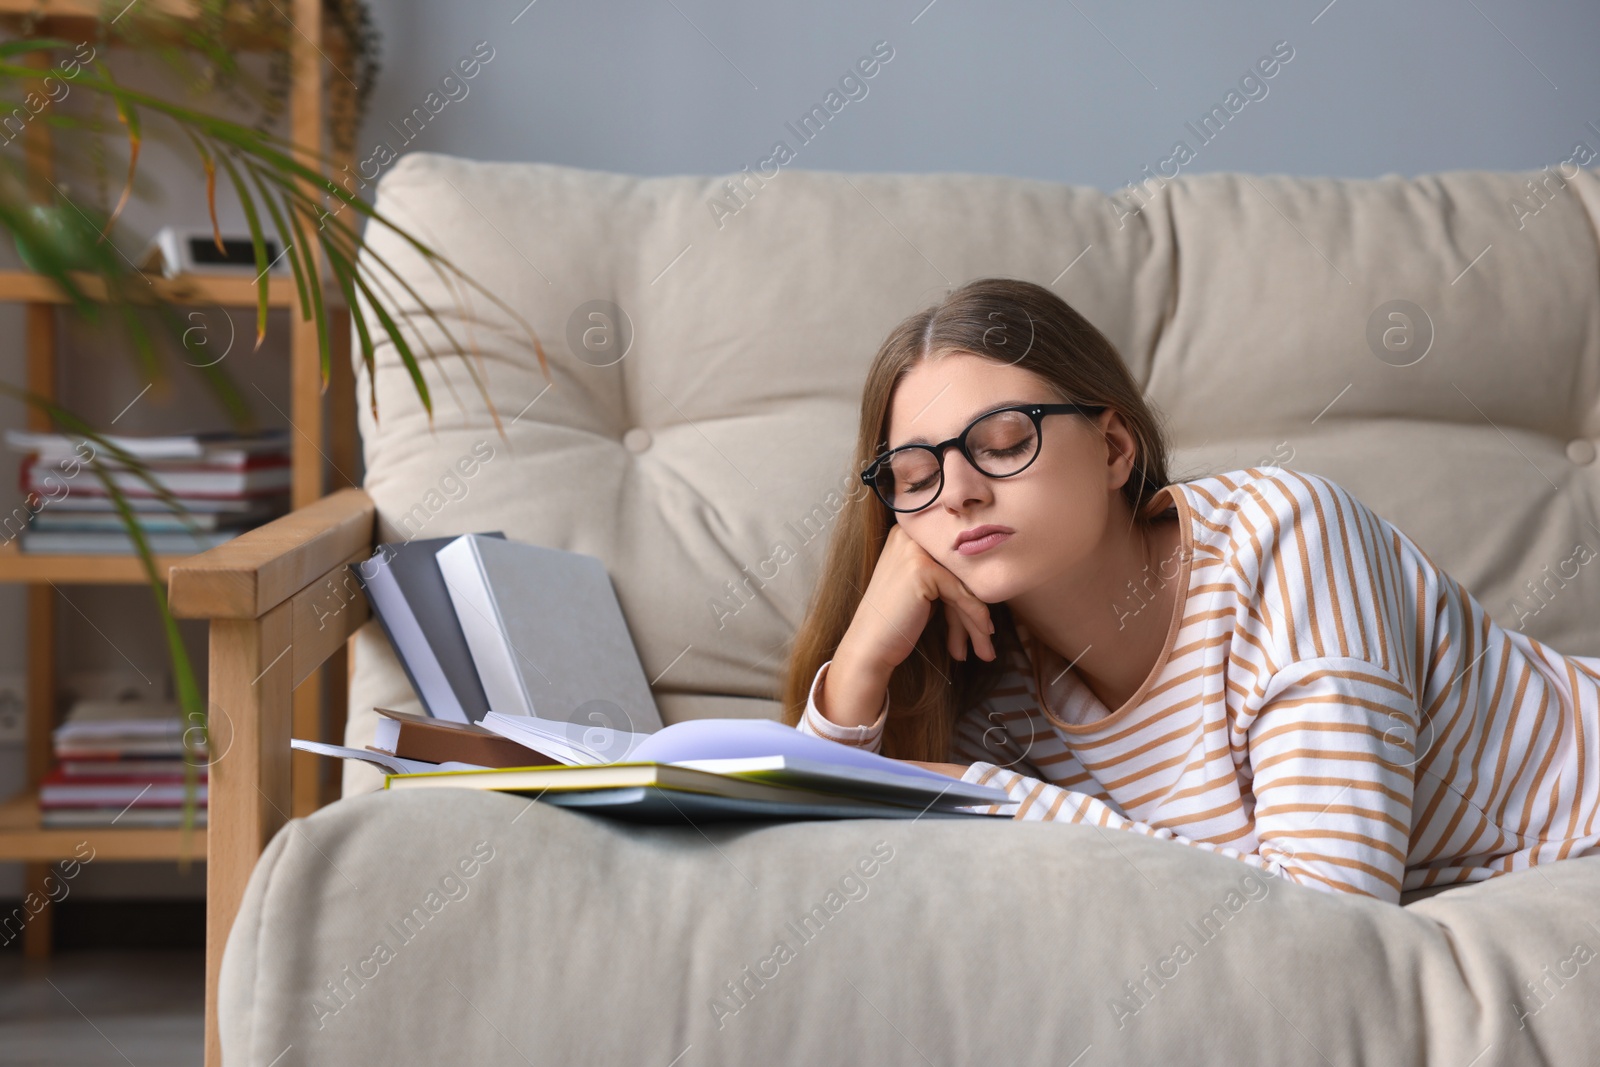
992, 585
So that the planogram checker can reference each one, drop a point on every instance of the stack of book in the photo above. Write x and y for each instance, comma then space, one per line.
227, 482
120, 763
531, 684
698, 769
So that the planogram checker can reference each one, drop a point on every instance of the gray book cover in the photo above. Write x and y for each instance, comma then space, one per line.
547, 634
422, 626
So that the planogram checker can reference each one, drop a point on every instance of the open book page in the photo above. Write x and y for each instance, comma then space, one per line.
758, 749
709, 739
384, 761
581, 744
766, 750
574, 743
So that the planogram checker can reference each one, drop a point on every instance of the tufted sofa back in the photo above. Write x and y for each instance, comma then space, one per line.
1432, 344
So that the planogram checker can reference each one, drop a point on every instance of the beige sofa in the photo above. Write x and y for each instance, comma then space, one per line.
1425, 342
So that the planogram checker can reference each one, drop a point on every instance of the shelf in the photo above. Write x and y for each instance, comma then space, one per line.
199, 290
107, 569
318, 49
21, 838
80, 19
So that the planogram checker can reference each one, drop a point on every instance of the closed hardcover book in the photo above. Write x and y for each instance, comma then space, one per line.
408, 595
418, 737
657, 792
547, 634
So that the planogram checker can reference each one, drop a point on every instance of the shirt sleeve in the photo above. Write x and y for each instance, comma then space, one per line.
813, 722
1332, 754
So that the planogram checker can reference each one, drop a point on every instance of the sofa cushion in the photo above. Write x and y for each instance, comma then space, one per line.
1423, 342
457, 926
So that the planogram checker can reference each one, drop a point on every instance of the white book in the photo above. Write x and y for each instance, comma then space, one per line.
547, 634
204, 445
89, 719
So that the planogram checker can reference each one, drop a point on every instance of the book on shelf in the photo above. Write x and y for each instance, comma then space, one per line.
120, 719
58, 790
150, 521
118, 761
239, 509
122, 768
220, 447
225, 482
109, 542
107, 748
120, 817
256, 479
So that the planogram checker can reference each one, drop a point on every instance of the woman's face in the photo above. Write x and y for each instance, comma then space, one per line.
1058, 507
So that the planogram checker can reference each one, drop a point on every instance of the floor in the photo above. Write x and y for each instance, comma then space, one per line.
84, 1007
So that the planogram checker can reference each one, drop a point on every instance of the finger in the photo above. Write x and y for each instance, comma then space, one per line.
955, 626
975, 614
974, 623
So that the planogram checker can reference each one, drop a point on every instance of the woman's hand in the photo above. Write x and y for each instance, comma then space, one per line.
906, 582
954, 770
893, 613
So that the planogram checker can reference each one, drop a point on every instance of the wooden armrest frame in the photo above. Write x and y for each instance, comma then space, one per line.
280, 603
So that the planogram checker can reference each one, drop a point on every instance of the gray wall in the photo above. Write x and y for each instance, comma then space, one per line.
1086, 92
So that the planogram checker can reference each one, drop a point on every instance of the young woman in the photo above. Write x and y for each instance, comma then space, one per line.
1251, 663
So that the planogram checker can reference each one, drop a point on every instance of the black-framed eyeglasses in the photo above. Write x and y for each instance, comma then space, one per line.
998, 444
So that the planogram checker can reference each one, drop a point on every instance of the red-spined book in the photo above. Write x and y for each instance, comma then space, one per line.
57, 790
120, 769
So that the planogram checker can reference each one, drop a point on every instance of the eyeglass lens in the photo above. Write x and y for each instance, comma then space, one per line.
1001, 444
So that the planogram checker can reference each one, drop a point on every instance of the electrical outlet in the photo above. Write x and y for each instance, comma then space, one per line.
13, 708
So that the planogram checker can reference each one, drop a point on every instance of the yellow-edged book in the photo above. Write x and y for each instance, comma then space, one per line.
662, 792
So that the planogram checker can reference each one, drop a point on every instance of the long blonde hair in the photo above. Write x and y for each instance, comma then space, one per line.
1008, 321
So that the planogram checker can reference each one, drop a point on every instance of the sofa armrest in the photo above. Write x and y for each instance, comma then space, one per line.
261, 568
280, 603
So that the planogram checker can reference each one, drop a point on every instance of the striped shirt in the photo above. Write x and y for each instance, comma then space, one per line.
1330, 707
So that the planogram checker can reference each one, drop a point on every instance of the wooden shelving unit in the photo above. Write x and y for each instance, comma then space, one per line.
29, 288
320, 447
22, 839
17, 566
